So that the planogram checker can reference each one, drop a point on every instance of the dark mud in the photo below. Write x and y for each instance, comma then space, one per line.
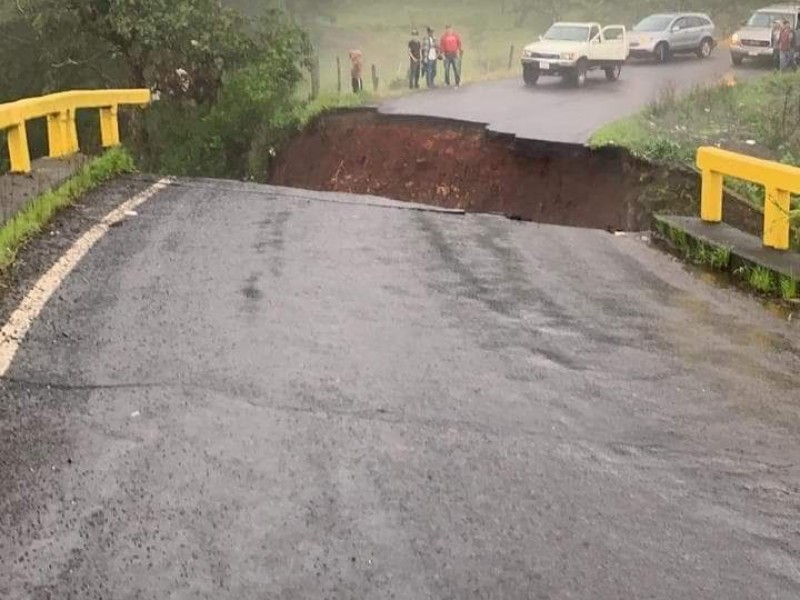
457, 164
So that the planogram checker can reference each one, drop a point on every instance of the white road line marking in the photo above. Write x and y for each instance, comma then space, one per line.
21, 320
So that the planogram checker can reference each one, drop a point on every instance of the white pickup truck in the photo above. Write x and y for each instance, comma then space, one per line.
571, 50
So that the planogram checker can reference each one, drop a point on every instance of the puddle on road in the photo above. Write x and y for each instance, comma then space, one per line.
787, 311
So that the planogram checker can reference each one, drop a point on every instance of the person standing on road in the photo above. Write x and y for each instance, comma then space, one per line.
786, 45
453, 51
415, 60
356, 67
777, 26
430, 55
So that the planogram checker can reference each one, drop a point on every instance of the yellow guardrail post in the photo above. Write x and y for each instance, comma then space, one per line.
711, 199
62, 130
780, 182
73, 146
109, 126
777, 205
55, 135
18, 149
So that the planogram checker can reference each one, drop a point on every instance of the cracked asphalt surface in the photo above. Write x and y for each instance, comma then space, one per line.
249, 392
554, 111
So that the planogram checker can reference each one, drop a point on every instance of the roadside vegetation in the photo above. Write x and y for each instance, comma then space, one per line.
38, 213
494, 33
758, 118
758, 278
236, 78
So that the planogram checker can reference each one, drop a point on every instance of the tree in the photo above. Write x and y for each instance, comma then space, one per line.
149, 43
226, 80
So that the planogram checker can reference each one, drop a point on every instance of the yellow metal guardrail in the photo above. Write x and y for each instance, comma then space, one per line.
780, 182
59, 110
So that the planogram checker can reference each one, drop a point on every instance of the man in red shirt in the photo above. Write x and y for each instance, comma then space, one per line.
450, 45
786, 45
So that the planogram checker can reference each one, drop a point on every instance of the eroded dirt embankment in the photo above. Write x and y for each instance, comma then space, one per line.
454, 164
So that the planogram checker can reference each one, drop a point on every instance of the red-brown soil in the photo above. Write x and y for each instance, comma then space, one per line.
454, 164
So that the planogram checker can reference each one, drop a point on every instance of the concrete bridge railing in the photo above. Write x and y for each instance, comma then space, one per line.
60, 110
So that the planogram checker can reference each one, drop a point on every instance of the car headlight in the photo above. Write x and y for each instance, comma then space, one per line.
567, 55
735, 39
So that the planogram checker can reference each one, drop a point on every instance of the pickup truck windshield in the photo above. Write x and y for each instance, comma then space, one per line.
567, 33
766, 19
654, 23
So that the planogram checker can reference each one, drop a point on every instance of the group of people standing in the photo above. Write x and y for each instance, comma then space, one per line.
425, 53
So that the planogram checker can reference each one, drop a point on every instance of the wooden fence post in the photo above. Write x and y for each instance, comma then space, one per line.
315, 77
511, 57
375, 80
338, 75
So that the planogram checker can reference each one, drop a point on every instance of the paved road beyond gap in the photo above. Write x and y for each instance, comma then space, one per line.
247, 392
554, 111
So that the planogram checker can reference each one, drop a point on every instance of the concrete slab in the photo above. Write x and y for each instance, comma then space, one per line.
743, 245
47, 173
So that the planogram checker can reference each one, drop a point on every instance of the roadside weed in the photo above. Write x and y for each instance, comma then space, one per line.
715, 257
760, 279
789, 288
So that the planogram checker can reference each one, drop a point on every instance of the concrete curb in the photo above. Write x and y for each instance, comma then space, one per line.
724, 248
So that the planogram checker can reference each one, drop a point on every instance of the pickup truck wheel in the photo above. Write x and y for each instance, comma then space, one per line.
579, 75
613, 73
530, 75
662, 52
737, 60
706, 46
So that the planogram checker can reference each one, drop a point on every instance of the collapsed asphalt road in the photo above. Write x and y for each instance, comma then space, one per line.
554, 111
247, 392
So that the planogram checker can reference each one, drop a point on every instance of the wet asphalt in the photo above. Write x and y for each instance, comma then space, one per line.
247, 392
555, 111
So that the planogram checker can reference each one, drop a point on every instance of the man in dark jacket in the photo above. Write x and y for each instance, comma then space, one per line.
415, 60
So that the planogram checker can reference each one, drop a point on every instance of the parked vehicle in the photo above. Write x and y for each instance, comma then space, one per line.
571, 50
754, 40
662, 35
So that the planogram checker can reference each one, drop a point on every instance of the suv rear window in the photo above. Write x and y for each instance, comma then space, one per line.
767, 18
654, 23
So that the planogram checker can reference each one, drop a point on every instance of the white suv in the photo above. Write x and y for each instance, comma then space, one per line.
662, 35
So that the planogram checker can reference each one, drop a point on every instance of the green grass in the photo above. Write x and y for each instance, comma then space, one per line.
756, 117
32, 219
328, 102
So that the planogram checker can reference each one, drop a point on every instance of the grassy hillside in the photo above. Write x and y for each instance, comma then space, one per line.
380, 28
